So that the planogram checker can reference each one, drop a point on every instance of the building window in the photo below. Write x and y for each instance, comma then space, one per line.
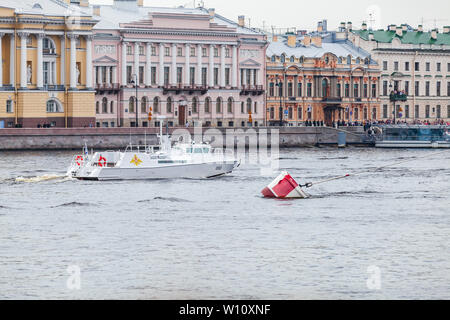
290, 113
300, 113
407, 88
153, 51
309, 89
299, 89
166, 75
227, 52
417, 66
385, 111
169, 105
230, 105
156, 105
396, 66
167, 51
427, 66
293, 59
192, 51
417, 88
141, 74
427, 112
438, 88
385, 88
283, 58
273, 58
129, 74
356, 90
249, 105
53, 106
111, 107
272, 113
290, 89
227, 76
438, 112
406, 66
208, 105
219, 105
204, 76
9, 106
179, 75
153, 75
192, 76
438, 67
131, 103
448, 111
216, 52
179, 52
416, 111
141, 50
97, 107
204, 52
216, 76
129, 50
406, 111
272, 89
242, 108
365, 90
194, 105
105, 105
427, 88
347, 90
338, 90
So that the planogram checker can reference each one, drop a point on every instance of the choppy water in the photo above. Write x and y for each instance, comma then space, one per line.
219, 239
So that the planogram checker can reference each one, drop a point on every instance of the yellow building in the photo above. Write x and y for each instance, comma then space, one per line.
46, 64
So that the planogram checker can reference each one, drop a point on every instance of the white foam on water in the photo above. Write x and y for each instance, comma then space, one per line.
37, 179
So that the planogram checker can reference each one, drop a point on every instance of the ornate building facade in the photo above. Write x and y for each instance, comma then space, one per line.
414, 62
317, 77
45, 64
190, 65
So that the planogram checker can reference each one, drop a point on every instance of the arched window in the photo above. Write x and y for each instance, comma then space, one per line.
292, 59
242, 107
255, 107
230, 105
365, 114
169, 105
366, 61
49, 63
283, 58
302, 59
349, 59
194, 105
274, 58
249, 105
219, 105
144, 104
48, 46
97, 107
340, 60
105, 105
131, 105
358, 61
156, 105
208, 105
374, 113
112, 107
54, 106
324, 88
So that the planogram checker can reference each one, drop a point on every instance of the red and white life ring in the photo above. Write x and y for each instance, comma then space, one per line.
79, 160
102, 161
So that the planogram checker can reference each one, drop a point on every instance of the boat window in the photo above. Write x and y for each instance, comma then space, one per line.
189, 150
198, 150
205, 150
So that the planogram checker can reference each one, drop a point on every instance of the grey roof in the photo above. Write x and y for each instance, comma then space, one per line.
339, 49
49, 7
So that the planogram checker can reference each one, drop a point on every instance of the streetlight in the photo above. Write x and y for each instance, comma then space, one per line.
280, 91
135, 81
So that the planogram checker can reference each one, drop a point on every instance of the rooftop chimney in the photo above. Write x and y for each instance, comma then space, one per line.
399, 31
292, 40
96, 10
241, 20
434, 33
364, 26
447, 29
84, 3
392, 27
307, 41
420, 28
349, 26
404, 27
319, 26
342, 27
317, 41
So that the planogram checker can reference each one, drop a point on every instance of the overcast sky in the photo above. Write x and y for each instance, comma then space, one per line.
305, 14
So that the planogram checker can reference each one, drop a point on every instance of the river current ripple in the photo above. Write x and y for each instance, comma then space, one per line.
219, 239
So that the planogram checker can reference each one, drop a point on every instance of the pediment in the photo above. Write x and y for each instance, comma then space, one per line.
250, 63
105, 59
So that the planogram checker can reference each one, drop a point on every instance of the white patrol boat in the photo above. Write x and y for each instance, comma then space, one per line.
183, 160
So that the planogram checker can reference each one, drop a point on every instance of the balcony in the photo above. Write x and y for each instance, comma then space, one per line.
393, 97
332, 100
184, 89
107, 87
50, 87
252, 90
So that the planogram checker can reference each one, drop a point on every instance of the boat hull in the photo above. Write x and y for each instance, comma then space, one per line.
185, 171
412, 144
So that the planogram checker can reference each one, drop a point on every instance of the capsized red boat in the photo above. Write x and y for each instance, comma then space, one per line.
284, 187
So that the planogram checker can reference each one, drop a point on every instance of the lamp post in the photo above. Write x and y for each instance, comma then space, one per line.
135, 81
280, 92
394, 107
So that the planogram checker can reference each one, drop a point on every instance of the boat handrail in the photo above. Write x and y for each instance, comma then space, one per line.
145, 148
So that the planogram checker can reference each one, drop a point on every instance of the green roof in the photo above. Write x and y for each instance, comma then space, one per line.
409, 37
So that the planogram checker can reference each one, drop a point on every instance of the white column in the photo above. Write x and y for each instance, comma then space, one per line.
73, 61
148, 65
108, 75
23, 59
235, 69
12, 60
222, 66
161, 65
40, 61
54, 73
89, 61
124, 64
198, 81
1, 60
100, 74
114, 74
187, 66
63, 60
136, 63
252, 77
211, 65
173, 81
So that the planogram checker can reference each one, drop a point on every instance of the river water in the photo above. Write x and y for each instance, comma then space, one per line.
219, 239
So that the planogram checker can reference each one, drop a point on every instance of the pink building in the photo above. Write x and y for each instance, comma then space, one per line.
191, 65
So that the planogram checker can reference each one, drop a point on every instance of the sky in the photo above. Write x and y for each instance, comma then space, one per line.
305, 14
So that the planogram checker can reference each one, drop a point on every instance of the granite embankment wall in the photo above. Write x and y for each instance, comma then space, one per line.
113, 138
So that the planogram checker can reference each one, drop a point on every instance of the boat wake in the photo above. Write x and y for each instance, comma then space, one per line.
73, 204
43, 178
